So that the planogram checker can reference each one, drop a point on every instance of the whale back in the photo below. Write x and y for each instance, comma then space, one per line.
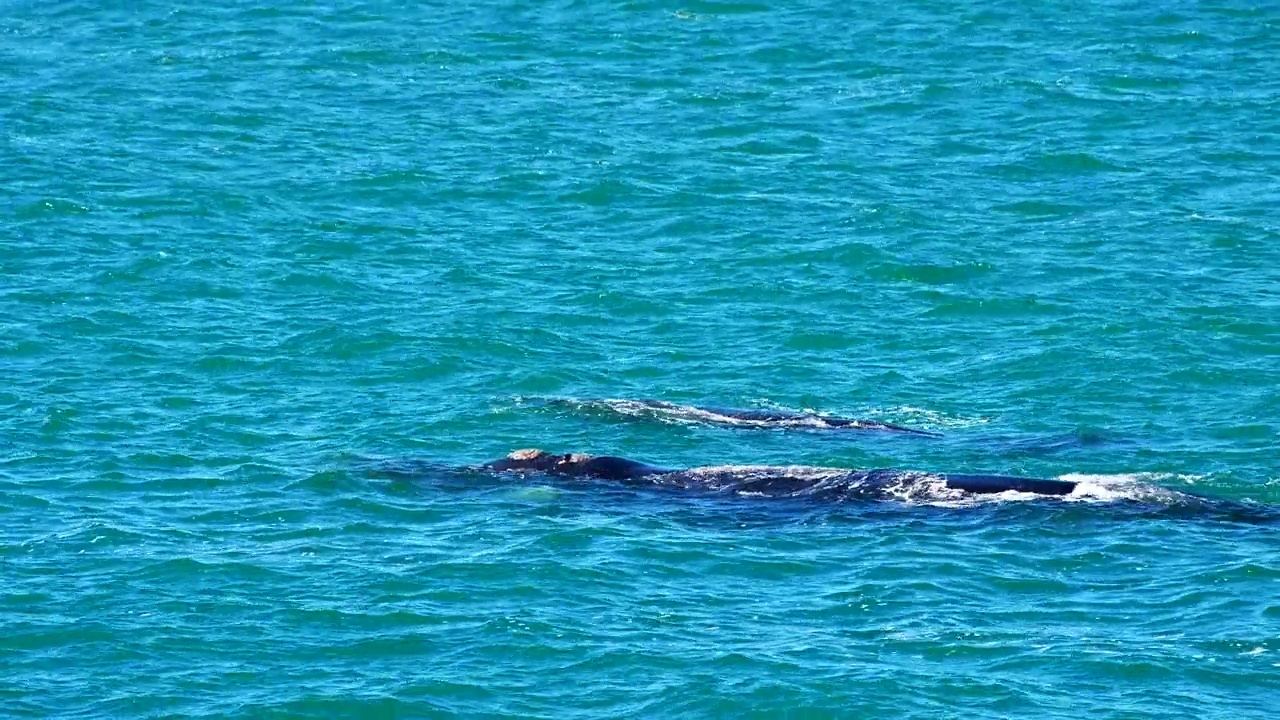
604, 467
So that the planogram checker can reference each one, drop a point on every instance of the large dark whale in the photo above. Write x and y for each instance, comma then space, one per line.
736, 417
768, 481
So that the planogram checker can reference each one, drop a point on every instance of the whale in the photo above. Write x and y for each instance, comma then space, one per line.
783, 418
1126, 496
736, 417
769, 481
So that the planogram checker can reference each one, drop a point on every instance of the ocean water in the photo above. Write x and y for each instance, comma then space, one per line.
252, 255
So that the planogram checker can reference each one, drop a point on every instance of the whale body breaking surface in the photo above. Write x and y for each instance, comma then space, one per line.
758, 418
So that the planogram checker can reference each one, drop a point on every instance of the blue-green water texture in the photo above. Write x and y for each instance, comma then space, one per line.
276, 277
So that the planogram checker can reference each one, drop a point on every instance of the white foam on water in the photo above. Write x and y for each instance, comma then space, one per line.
959, 498
924, 418
1090, 488
1122, 486
923, 488
689, 415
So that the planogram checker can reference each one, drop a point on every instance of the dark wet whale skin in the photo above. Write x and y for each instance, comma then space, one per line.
603, 467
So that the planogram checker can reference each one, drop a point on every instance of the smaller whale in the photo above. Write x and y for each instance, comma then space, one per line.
737, 417
768, 481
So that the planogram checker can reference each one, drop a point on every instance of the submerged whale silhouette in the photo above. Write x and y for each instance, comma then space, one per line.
769, 481
737, 417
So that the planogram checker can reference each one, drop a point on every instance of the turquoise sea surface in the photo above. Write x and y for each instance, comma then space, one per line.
257, 258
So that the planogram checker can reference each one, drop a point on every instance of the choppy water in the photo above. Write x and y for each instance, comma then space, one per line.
250, 253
